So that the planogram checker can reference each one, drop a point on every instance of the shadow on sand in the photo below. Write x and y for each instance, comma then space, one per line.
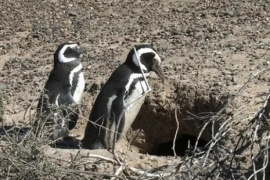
20, 133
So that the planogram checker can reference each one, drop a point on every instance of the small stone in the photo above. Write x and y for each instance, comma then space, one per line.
22, 28
191, 56
72, 14
217, 52
65, 32
228, 83
228, 13
2, 86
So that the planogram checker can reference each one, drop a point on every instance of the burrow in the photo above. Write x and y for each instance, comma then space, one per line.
154, 129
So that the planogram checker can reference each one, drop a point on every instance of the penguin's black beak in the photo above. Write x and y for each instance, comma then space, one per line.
79, 49
157, 69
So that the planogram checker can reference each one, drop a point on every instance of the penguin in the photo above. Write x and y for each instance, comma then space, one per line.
58, 104
121, 98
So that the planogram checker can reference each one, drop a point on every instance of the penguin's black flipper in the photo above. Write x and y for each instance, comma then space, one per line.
73, 115
118, 106
116, 118
43, 103
42, 114
65, 98
70, 108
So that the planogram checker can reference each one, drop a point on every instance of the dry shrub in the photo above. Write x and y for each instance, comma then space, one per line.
22, 156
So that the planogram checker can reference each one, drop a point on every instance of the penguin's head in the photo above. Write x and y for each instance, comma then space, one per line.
146, 56
67, 52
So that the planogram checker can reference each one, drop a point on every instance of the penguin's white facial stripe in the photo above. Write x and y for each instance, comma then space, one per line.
157, 58
132, 78
62, 58
75, 70
143, 51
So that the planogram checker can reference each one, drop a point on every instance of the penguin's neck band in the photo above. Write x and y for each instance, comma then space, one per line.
72, 73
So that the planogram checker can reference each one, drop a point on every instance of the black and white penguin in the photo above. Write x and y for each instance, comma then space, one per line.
58, 104
121, 98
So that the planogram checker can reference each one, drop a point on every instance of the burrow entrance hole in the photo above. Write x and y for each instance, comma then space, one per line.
153, 131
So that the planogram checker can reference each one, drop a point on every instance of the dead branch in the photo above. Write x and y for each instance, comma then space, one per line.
176, 133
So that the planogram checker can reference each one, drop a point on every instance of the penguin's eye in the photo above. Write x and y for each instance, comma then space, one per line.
154, 59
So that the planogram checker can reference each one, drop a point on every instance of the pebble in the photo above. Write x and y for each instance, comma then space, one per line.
2, 86
72, 14
230, 13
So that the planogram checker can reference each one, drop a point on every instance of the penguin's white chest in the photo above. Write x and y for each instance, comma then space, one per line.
136, 94
133, 104
77, 95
